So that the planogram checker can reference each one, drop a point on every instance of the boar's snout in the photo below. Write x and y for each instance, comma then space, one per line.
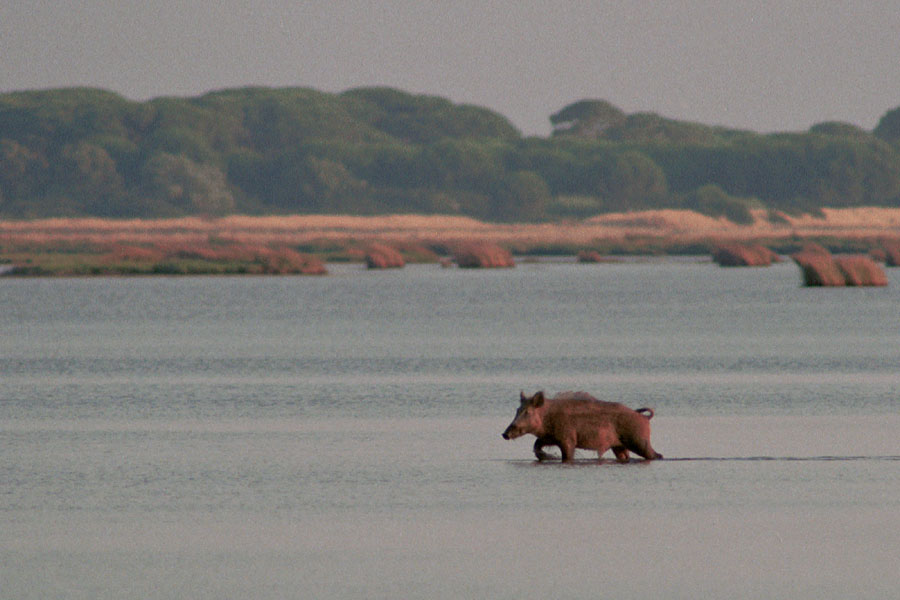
511, 433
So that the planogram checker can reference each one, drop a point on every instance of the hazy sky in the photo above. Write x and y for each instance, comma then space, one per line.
775, 65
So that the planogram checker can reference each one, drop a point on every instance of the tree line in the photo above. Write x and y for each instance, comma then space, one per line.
90, 152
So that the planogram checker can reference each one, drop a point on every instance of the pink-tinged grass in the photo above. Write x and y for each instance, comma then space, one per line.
821, 269
743, 255
482, 255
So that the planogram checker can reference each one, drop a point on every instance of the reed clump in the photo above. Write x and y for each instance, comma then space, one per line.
861, 270
483, 255
743, 255
820, 268
382, 256
591, 256
887, 252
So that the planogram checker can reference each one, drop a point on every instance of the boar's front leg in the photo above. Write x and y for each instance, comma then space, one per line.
541, 443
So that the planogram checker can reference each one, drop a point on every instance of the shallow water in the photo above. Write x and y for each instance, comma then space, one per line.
339, 437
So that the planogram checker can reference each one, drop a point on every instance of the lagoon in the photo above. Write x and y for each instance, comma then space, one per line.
339, 437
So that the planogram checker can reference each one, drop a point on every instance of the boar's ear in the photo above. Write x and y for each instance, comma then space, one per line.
538, 399
522, 397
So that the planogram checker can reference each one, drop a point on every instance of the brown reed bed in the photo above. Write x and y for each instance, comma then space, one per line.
242, 244
162, 256
820, 268
382, 256
482, 255
743, 255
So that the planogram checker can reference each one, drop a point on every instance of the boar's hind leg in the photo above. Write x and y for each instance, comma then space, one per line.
621, 453
541, 443
643, 448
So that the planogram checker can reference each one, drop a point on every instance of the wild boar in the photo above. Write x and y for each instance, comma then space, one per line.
578, 420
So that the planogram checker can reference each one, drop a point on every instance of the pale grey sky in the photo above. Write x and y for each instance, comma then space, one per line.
771, 65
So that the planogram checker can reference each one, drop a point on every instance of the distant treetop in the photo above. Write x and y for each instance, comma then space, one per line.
586, 118
839, 128
888, 127
422, 118
598, 119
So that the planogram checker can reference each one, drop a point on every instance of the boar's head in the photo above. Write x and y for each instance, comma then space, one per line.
529, 417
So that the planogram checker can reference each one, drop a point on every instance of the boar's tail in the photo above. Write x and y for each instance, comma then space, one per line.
646, 410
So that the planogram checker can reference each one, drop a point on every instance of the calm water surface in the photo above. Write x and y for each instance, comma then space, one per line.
339, 437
